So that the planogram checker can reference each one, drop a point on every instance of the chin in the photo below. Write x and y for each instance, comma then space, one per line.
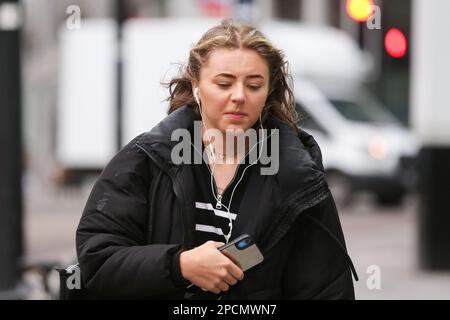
234, 128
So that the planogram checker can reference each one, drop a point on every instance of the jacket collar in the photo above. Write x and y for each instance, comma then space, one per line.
159, 139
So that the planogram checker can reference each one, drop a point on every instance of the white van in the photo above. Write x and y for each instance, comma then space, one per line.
364, 147
361, 143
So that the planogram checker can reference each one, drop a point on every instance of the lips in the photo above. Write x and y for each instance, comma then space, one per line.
235, 115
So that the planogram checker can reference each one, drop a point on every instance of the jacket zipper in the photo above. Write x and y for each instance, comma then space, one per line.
220, 195
219, 201
272, 238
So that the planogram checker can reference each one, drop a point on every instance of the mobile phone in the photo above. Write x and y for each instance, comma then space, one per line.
244, 251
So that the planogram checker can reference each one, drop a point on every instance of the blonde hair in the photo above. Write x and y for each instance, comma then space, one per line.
228, 34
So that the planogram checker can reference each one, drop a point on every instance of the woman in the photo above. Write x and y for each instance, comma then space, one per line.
152, 224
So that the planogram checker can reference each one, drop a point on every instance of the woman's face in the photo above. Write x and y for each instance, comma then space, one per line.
233, 88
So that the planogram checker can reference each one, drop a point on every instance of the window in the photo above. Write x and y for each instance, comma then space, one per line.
364, 108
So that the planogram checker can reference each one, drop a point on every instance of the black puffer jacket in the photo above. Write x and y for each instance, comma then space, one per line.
140, 214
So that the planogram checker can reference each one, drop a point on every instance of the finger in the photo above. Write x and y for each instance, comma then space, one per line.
222, 286
215, 290
230, 280
218, 244
229, 256
235, 271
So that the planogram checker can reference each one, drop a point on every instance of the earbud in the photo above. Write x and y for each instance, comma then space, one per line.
197, 99
196, 96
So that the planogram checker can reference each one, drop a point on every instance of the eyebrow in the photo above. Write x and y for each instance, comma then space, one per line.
229, 75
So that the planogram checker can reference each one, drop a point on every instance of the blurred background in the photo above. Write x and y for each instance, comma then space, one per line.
79, 79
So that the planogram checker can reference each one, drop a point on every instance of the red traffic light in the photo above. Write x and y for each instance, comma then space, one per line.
359, 10
395, 43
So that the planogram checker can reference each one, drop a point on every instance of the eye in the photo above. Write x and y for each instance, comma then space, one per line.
254, 88
224, 85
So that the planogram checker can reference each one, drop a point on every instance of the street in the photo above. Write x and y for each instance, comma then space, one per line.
387, 238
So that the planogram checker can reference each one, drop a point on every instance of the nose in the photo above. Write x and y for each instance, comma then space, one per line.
238, 95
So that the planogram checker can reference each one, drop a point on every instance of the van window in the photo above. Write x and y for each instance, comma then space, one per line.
363, 109
307, 121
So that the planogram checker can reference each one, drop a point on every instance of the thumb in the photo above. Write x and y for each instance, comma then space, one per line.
218, 244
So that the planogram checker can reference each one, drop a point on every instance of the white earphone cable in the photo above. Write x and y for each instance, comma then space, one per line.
228, 235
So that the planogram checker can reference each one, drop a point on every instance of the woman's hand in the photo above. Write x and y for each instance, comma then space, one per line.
209, 269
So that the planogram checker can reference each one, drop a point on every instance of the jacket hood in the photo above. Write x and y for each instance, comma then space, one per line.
300, 158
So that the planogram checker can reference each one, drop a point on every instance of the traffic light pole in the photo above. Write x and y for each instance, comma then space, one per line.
10, 146
431, 116
120, 18
123, 10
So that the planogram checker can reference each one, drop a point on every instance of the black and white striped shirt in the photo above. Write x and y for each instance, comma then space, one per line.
212, 221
